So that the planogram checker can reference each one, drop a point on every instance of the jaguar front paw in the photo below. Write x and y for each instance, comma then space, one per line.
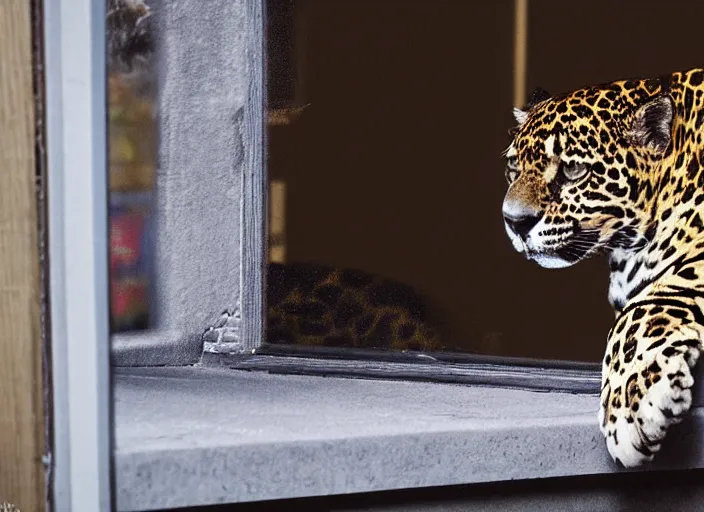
639, 404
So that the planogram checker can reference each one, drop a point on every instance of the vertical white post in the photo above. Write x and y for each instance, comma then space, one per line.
74, 34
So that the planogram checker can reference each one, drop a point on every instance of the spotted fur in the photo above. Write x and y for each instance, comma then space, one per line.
618, 169
319, 305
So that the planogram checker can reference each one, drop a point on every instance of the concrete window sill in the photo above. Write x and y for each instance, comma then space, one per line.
190, 436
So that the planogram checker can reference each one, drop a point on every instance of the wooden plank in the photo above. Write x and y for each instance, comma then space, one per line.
520, 52
21, 405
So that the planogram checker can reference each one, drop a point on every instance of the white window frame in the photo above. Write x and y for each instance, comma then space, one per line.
75, 85
211, 229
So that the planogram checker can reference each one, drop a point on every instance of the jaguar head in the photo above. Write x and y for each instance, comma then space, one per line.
580, 172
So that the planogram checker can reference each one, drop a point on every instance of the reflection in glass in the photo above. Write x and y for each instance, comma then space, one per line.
131, 162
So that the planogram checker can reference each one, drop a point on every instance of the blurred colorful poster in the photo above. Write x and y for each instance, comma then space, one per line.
130, 269
131, 176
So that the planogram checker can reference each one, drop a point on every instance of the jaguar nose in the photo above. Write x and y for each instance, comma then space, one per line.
521, 224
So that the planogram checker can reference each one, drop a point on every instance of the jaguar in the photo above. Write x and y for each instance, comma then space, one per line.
617, 169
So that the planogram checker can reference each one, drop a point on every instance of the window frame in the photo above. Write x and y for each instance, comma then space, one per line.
76, 177
218, 318
215, 265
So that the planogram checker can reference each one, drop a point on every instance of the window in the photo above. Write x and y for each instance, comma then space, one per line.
395, 166
190, 426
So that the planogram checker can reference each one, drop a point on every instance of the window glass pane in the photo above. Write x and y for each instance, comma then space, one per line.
385, 157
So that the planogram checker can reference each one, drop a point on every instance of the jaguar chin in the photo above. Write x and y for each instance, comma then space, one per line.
549, 259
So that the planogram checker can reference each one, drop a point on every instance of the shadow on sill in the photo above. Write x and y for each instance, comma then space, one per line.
513, 373
657, 490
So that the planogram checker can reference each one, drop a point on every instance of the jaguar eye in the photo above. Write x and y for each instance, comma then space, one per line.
511, 175
573, 170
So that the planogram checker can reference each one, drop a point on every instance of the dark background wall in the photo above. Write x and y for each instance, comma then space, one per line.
396, 166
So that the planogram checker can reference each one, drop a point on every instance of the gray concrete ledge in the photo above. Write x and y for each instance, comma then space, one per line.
196, 436
154, 348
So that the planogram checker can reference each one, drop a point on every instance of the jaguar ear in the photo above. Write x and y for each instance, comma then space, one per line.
652, 124
537, 96
521, 114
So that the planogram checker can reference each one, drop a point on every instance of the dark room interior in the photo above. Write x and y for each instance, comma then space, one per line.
395, 166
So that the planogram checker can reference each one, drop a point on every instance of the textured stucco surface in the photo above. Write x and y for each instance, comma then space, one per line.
201, 63
191, 435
